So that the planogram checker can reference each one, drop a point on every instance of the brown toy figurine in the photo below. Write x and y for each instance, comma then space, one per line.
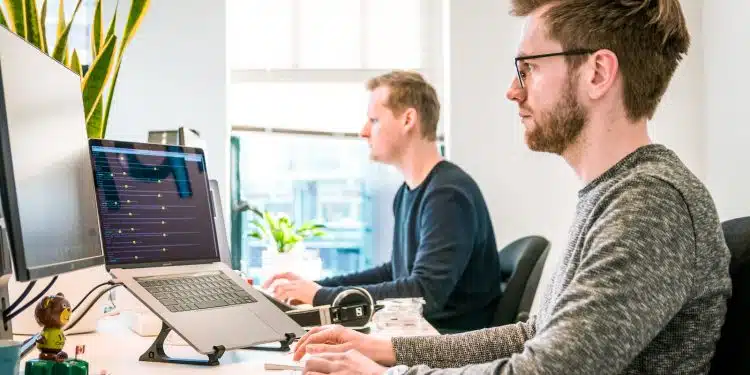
52, 313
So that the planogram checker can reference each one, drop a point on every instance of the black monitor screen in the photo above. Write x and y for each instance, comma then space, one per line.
154, 204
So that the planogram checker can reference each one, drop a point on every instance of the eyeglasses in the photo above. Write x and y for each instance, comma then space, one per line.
522, 74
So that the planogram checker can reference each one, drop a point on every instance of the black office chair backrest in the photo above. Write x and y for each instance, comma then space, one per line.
734, 344
521, 264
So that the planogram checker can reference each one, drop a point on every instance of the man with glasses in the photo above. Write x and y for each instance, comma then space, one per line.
644, 280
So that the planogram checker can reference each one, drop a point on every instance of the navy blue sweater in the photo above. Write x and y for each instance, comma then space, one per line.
444, 250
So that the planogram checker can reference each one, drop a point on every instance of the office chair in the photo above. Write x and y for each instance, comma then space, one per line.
521, 264
734, 343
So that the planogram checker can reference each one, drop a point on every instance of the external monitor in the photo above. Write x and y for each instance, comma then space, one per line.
47, 190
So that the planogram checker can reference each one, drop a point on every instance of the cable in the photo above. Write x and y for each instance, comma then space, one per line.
33, 300
110, 282
90, 305
20, 298
28, 344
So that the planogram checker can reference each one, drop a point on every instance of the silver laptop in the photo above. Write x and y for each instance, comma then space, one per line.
222, 237
159, 239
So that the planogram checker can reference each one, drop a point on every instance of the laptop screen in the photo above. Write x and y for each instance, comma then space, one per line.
154, 205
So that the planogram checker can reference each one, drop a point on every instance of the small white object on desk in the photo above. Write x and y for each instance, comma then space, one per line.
286, 363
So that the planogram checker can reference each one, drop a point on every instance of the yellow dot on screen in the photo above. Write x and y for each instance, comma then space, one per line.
130, 214
159, 181
128, 201
163, 249
133, 242
163, 208
126, 186
111, 175
122, 158
132, 229
124, 173
158, 195
164, 235
163, 222
154, 168
136, 257
119, 231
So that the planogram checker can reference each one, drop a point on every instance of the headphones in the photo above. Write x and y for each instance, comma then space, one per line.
353, 308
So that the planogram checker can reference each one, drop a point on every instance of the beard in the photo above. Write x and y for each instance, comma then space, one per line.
558, 128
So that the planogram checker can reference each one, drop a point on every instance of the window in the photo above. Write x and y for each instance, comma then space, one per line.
297, 101
326, 34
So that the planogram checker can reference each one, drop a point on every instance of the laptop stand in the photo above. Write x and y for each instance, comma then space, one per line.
155, 352
285, 345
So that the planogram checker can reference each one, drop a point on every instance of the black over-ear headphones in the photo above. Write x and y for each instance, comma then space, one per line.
353, 308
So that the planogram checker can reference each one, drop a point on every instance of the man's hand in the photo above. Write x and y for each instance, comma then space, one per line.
294, 289
350, 362
337, 339
288, 276
300, 291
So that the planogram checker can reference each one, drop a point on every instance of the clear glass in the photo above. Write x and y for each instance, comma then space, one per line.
400, 313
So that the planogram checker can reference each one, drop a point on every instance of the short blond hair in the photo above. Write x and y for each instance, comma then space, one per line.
408, 89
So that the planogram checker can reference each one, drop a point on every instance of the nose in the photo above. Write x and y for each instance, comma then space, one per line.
365, 132
515, 92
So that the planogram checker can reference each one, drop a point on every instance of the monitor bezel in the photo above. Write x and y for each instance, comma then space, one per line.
11, 211
94, 142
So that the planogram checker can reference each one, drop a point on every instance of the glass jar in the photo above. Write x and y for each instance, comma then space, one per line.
400, 313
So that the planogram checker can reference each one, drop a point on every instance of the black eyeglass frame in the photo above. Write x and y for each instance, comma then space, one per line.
572, 52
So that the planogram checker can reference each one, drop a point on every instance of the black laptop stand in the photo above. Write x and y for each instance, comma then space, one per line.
156, 353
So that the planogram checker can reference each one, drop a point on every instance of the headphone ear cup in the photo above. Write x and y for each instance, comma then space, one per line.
356, 295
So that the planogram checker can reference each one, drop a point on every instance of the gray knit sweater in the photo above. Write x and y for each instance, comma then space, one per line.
642, 286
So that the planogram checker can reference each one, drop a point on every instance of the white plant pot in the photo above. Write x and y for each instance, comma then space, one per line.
298, 260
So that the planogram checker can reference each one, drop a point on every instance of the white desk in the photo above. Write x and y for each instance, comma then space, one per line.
116, 349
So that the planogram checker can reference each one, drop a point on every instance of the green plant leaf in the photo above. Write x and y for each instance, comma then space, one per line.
97, 39
32, 23
94, 123
259, 225
138, 9
3, 20
60, 52
16, 17
256, 235
94, 83
60, 20
75, 63
43, 27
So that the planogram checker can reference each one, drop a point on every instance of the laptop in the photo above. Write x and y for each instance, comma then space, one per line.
159, 239
221, 230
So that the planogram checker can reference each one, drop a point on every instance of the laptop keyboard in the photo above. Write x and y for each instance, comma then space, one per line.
191, 292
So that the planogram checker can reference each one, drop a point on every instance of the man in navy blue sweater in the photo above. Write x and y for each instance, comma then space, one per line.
444, 246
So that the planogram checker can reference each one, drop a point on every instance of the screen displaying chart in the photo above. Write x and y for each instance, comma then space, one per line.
154, 205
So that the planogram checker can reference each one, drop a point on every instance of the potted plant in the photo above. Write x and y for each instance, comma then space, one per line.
285, 250
23, 18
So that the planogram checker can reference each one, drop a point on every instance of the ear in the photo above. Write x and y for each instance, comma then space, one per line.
409, 118
603, 73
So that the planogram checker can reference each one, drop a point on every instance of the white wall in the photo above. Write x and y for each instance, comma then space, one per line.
174, 73
527, 192
727, 111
